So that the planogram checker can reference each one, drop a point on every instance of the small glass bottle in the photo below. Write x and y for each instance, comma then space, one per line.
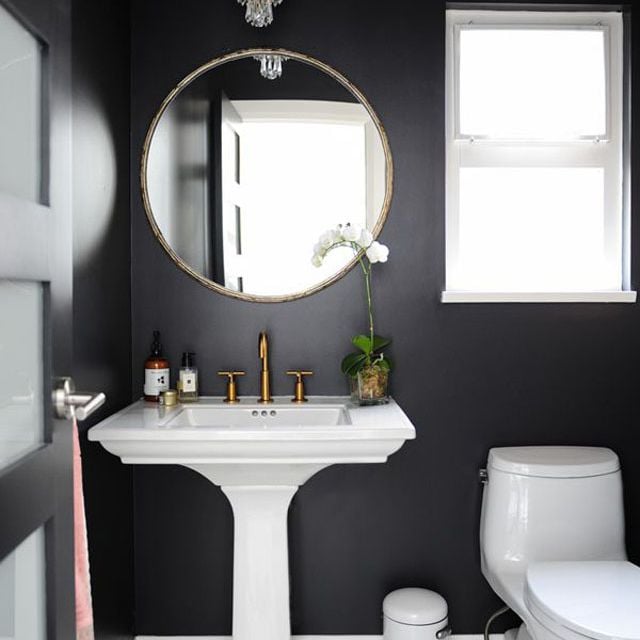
188, 378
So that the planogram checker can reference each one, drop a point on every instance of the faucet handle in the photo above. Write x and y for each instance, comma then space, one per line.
299, 388
232, 391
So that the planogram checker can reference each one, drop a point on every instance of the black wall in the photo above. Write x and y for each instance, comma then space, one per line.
102, 292
470, 376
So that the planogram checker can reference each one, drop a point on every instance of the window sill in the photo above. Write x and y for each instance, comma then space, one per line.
535, 296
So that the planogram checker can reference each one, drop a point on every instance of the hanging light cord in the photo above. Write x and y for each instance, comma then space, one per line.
497, 614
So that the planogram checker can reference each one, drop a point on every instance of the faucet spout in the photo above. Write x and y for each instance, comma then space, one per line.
263, 350
265, 383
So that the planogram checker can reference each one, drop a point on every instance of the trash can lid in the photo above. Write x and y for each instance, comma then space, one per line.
415, 606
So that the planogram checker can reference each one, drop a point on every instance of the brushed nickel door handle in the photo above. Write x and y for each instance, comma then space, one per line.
69, 403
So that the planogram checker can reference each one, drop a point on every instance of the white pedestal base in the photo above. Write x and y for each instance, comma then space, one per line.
261, 562
260, 495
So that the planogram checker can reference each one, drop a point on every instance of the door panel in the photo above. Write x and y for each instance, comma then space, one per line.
22, 591
20, 110
21, 375
36, 483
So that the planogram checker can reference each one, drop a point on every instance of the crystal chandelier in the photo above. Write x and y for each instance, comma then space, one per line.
259, 12
270, 65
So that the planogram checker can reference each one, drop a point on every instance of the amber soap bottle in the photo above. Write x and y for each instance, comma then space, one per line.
156, 371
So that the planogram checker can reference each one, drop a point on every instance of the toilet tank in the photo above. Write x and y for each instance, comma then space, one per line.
550, 503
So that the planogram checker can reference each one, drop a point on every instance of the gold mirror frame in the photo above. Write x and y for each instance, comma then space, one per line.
212, 64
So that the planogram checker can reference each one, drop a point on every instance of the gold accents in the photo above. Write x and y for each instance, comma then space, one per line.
216, 62
168, 398
265, 388
299, 388
232, 391
263, 353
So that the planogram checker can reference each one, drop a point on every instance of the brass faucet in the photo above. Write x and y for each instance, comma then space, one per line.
263, 352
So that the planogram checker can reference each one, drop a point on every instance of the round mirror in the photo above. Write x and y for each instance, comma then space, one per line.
250, 159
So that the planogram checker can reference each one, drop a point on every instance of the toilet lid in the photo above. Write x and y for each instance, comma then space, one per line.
598, 599
554, 462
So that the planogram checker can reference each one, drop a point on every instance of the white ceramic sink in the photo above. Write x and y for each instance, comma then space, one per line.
259, 455
256, 416
250, 443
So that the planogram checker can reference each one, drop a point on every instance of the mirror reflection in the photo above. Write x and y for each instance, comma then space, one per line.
251, 161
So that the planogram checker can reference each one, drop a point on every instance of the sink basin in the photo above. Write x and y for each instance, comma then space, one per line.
255, 416
259, 455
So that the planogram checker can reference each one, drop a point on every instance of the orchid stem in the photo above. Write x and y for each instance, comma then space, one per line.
367, 284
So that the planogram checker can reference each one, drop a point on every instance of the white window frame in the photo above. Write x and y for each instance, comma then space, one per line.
602, 150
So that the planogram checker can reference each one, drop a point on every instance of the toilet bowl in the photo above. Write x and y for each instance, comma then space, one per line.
552, 543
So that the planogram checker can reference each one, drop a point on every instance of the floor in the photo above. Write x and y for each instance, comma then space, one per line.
493, 636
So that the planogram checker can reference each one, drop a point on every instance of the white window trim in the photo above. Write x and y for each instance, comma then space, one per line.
304, 111
538, 296
617, 224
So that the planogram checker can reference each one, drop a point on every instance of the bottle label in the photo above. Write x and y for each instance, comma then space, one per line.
189, 381
155, 381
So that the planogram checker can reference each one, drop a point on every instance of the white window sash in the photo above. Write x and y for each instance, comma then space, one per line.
570, 22
589, 151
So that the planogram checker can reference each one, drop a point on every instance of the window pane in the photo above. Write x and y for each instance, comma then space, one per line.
518, 83
20, 110
532, 229
21, 376
22, 591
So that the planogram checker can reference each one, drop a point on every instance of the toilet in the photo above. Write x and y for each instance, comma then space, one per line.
552, 543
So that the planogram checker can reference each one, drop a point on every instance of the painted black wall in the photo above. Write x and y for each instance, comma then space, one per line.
469, 376
102, 292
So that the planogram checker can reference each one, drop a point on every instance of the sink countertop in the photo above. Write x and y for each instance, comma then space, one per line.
147, 421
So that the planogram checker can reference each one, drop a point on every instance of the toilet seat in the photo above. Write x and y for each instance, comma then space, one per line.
596, 599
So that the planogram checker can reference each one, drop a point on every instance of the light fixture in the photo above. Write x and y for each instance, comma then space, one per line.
259, 12
270, 65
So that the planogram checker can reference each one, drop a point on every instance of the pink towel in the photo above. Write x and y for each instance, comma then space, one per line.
84, 612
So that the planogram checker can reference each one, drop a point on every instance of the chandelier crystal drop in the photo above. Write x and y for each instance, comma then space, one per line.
259, 12
270, 65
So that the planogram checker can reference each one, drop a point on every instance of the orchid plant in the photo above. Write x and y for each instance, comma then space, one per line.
368, 251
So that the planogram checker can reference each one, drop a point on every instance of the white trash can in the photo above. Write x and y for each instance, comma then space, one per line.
415, 614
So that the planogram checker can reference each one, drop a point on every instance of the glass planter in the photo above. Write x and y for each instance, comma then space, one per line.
370, 386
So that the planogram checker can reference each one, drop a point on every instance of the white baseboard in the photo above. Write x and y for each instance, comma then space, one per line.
478, 636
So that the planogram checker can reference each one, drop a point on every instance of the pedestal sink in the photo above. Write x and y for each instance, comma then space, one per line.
259, 455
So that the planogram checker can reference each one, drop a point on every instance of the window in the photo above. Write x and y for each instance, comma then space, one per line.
535, 204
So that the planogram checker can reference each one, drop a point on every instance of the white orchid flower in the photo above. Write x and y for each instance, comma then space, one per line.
351, 232
330, 237
377, 252
365, 239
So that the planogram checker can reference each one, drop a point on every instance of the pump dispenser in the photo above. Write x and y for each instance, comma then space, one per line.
156, 371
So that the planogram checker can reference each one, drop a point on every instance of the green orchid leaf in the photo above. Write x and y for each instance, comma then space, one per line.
353, 363
385, 363
363, 343
380, 343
